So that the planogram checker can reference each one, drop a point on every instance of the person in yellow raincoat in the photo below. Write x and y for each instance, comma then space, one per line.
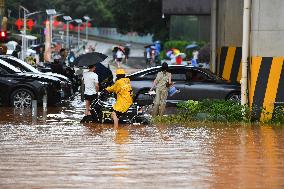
123, 90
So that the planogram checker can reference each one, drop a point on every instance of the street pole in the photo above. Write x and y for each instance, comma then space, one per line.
213, 35
51, 13
68, 19
67, 35
87, 18
245, 51
87, 31
78, 35
24, 37
79, 22
51, 21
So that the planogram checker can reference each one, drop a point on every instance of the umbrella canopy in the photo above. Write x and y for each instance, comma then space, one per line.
175, 51
89, 59
182, 55
169, 53
104, 73
191, 46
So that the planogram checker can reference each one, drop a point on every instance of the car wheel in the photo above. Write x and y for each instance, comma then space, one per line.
22, 98
234, 97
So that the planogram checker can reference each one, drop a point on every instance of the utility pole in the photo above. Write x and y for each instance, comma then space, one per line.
245, 51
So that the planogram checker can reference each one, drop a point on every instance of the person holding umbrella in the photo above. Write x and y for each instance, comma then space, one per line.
90, 78
123, 90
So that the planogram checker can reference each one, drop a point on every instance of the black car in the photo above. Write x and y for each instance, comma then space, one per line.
13, 79
25, 67
194, 84
19, 91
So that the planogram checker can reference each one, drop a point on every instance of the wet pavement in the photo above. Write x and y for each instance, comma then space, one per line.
56, 151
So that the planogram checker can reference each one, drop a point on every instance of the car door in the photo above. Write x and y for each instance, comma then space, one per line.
4, 86
179, 79
200, 86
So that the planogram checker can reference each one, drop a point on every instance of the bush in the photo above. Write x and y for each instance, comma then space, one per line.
219, 111
211, 110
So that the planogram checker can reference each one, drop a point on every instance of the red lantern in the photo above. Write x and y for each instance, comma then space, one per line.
81, 28
55, 23
19, 24
30, 24
71, 26
89, 24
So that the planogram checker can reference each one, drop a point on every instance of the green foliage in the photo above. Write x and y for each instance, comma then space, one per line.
218, 111
208, 110
98, 10
278, 116
176, 44
144, 17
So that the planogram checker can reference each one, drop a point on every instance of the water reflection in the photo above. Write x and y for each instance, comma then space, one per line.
59, 152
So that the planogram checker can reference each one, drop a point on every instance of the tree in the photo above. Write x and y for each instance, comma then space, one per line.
142, 16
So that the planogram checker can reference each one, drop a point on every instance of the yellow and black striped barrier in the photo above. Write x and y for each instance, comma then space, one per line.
266, 86
229, 59
266, 79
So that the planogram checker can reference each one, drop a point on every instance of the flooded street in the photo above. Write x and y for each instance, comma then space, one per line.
57, 151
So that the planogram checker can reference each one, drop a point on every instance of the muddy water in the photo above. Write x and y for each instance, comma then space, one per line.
56, 151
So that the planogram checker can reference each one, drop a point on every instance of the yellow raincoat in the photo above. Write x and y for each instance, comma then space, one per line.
123, 90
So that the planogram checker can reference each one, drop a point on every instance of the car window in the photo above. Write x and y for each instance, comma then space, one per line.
178, 74
2, 71
149, 76
196, 76
9, 69
16, 64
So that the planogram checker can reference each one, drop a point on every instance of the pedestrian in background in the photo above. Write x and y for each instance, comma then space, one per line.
91, 83
161, 83
119, 56
126, 53
63, 55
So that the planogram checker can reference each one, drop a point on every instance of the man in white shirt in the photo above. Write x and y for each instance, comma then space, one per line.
91, 87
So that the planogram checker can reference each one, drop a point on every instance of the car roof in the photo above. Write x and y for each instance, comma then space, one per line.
10, 66
158, 67
21, 62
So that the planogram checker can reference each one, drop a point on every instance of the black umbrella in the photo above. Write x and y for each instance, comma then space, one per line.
104, 73
89, 59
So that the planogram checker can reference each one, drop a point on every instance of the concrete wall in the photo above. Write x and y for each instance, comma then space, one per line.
186, 7
267, 35
230, 23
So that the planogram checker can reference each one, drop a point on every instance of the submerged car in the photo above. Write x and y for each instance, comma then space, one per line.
11, 75
19, 91
25, 67
194, 84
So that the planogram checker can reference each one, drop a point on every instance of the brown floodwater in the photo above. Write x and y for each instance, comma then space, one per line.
56, 151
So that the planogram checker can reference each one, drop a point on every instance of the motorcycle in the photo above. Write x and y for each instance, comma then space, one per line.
101, 110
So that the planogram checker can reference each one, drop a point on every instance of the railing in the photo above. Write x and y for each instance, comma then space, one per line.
112, 33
